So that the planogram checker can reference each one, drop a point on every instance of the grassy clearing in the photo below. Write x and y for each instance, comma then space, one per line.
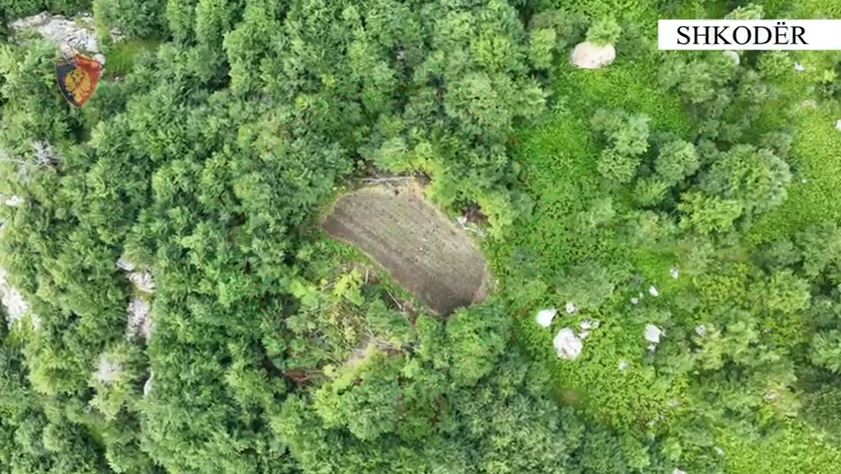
813, 197
796, 450
121, 56
559, 160
816, 151
559, 163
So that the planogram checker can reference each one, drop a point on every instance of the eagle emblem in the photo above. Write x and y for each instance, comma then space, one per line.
77, 78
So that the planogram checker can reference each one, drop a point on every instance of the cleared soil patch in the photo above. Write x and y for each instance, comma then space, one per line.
416, 243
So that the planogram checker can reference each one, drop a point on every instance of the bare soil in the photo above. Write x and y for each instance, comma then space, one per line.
421, 249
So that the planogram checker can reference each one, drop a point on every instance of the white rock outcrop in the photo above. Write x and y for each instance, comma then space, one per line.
78, 34
125, 264
45, 154
571, 308
838, 125
12, 299
139, 312
587, 326
587, 55
653, 291
567, 345
809, 104
733, 56
545, 316
139, 319
108, 371
14, 201
147, 386
674, 273
143, 281
653, 333
140, 278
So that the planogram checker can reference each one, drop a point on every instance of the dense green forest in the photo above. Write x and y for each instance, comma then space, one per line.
174, 306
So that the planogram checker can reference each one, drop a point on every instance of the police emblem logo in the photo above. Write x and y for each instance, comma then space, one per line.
77, 78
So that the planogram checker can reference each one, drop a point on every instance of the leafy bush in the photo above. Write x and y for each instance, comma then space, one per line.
757, 179
708, 214
133, 19
14, 9
675, 161
604, 31
180, 18
627, 137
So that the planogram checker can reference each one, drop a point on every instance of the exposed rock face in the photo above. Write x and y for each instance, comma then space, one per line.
143, 281
139, 319
587, 326
587, 55
45, 154
140, 278
108, 371
147, 387
733, 56
653, 333
139, 311
567, 344
125, 264
78, 34
14, 201
545, 316
16, 306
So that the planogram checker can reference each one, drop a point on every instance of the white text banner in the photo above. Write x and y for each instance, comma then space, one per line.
800, 35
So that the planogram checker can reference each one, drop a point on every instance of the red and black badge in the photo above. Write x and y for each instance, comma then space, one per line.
77, 78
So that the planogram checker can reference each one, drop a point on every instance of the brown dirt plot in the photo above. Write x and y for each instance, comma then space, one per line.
416, 243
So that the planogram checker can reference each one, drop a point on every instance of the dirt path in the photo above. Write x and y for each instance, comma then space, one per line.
426, 253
